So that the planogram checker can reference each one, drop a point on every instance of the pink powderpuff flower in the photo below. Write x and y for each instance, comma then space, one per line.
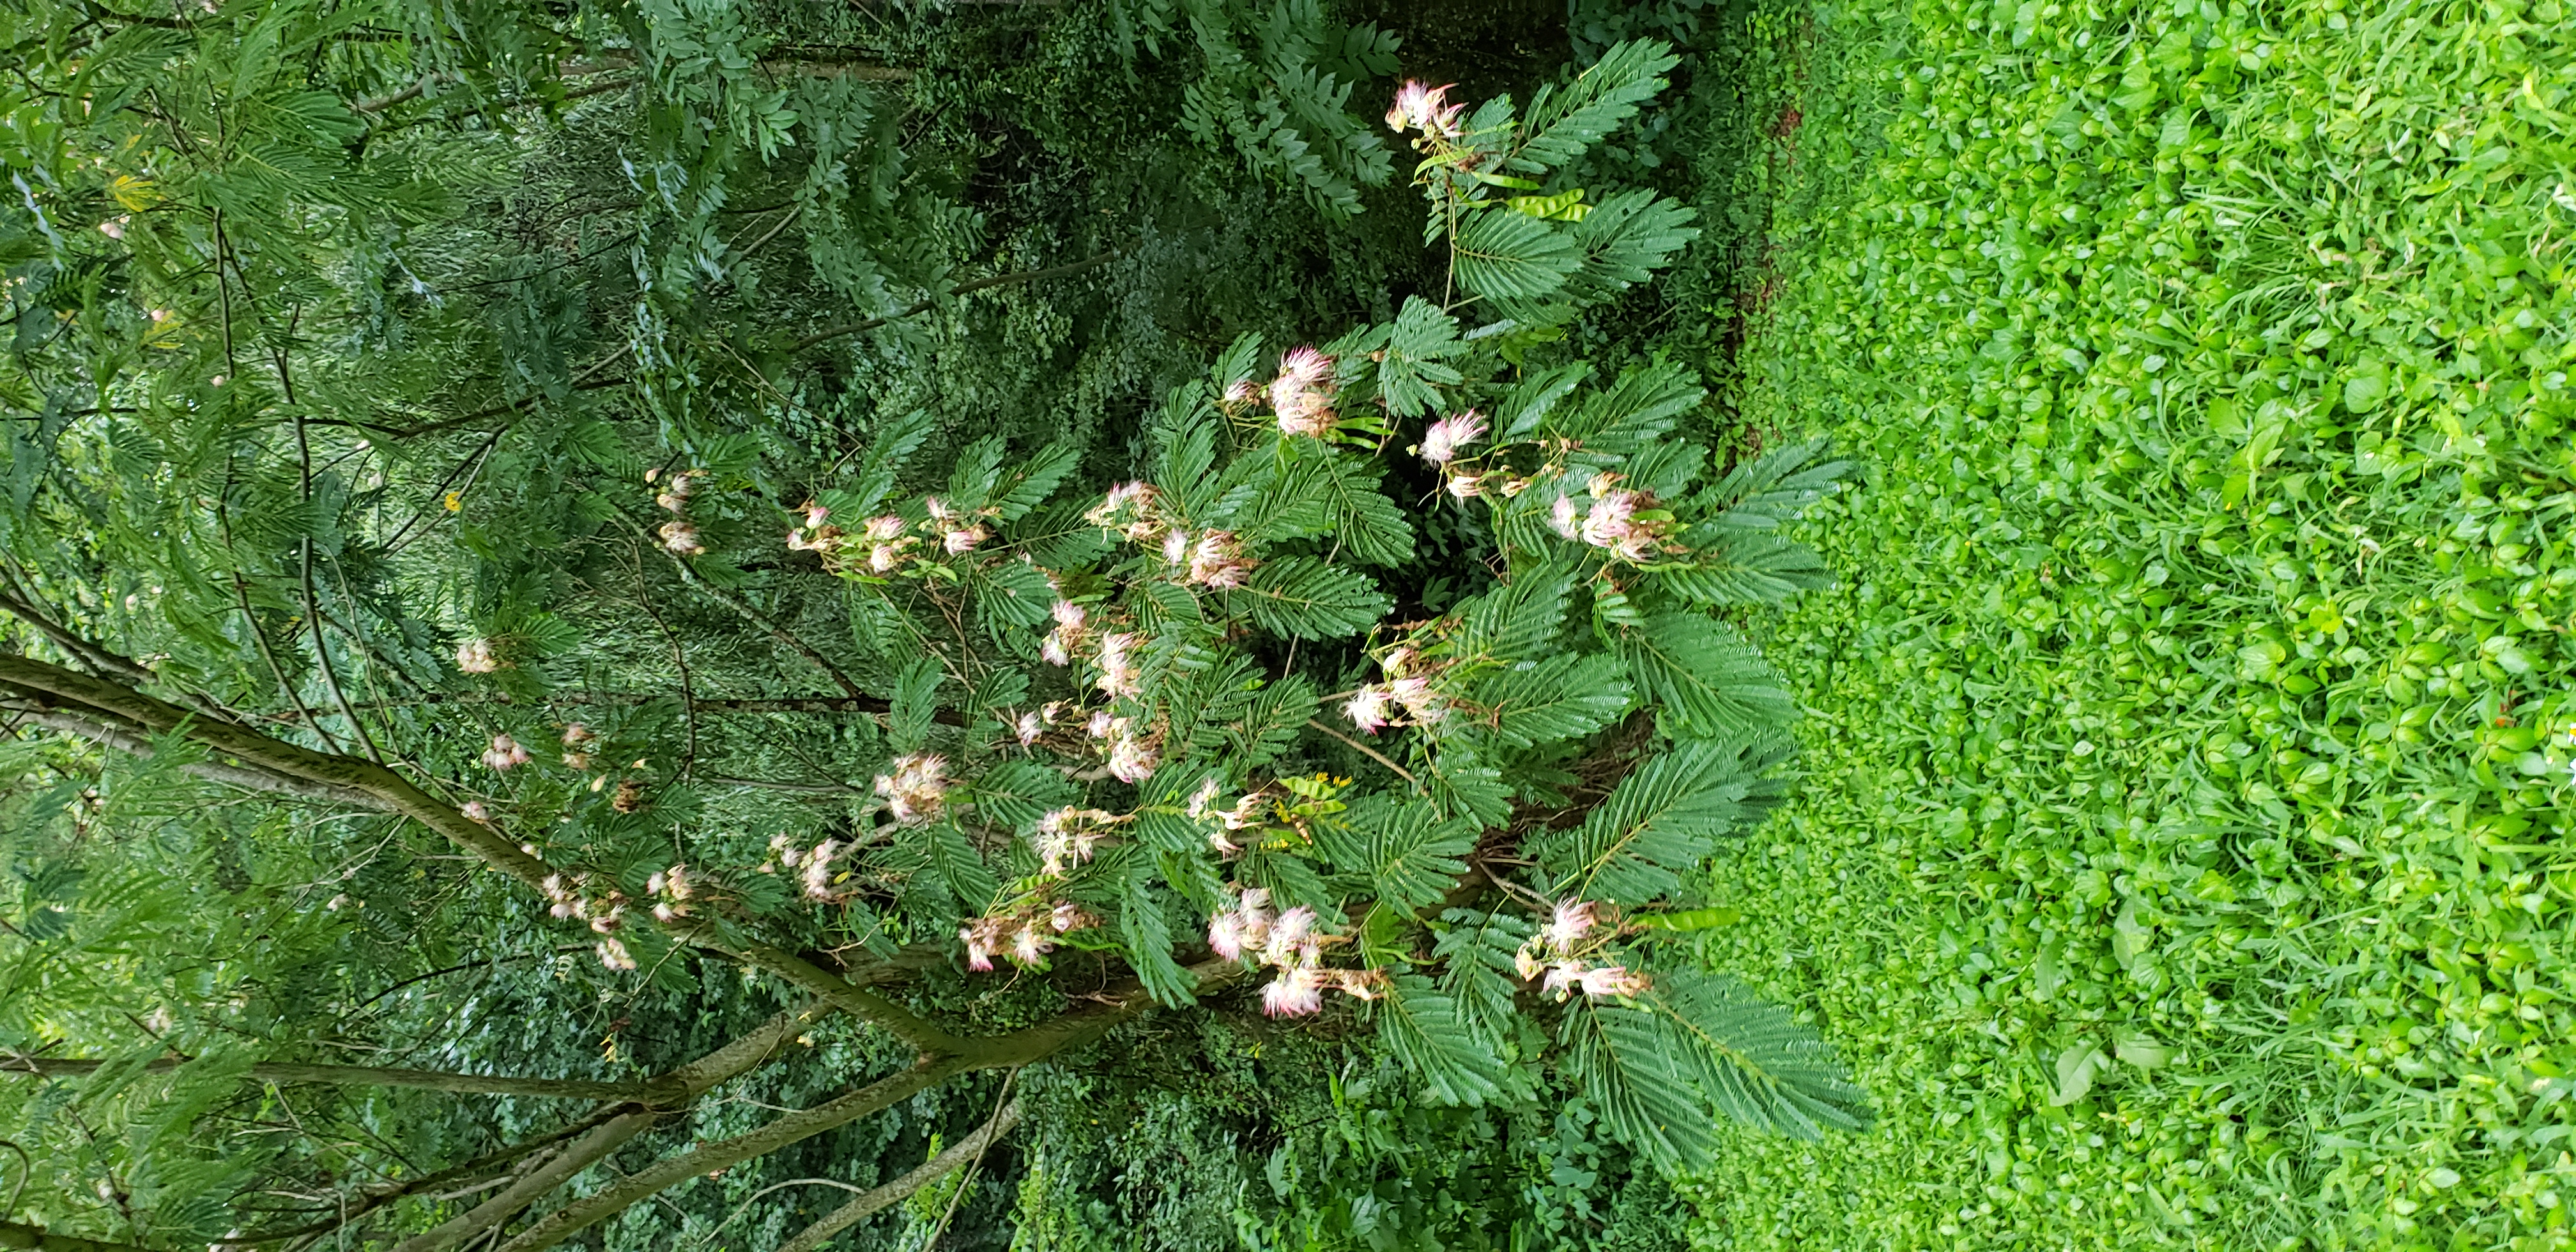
1612, 980
504, 753
1132, 760
1562, 978
1204, 798
884, 529
1302, 394
114, 227
682, 539
1364, 984
818, 870
1069, 614
962, 541
1028, 728
1237, 394
814, 515
1368, 708
1176, 547
1426, 109
1420, 701
1052, 648
1029, 945
1296, 992
477, 656
1564, 519
1525, 962
1217, 560
1573, 920
1441, 443
1292, 938
1068, 917
614, 955
1466, 486
476, 811
1118, 675
939, 509
917, 788
1225, 935
1100, 725
979, 952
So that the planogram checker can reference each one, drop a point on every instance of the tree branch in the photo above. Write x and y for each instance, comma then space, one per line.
38, 1239
365, 1075
922, 1175
135, 744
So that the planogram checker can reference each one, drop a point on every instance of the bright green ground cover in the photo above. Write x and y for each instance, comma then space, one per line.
2186, 856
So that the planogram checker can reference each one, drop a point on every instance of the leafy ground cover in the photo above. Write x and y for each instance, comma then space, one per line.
2184, 852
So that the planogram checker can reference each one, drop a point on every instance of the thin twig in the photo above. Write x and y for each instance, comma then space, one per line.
1372, 753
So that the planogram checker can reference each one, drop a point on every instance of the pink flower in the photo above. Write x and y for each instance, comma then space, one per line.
476, 811
1296, 992
1365, 984
1225, 935
1029, 945
1052, 649
818, 870
1574, 919
1420, 701
1241, 392
1562, 978
917, 787
1466, 486
1029, 727
1441, 443
1368, 708
1564, 519
1118, 675
979, 956
1176, 547
1101, 724
1302, 394
1203, 798
1067, 917
681, 538
1218, 560
114, 227
887, 527
614, 955
504, 753
939, 509
1291, 938
1612, 980
1424, 108
962, 541
1068, 613
476, 656
1132, 760
814, 515
1525, 962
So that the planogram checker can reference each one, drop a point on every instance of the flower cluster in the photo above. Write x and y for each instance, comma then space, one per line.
1250, 811
1302, 395
1213, 558
1426, 109
1069, 836
1025, 934
504, 753
679, 534
1559, 955
671, 890
1132, 757
578, 742
1631, 524
479, 656
1071, 633
605, 911
816, 862
813, 534
1408, 687
1290, 944
918, 787
958, 530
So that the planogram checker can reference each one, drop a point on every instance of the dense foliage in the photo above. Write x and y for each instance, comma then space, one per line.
2188, 826
600, 596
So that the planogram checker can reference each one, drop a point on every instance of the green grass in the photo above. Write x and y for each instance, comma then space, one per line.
2185, 856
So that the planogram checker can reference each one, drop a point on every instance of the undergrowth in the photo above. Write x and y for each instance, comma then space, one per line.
2184, 853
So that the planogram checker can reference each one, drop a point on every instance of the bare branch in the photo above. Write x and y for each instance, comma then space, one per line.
922, 1175
366, 1075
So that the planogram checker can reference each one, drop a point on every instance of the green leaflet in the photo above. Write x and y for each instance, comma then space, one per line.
1564, 121
1563, 697
1411, 372
915, 703
1423, 1029
1015, 794
1707, 679
960, 871
1625, 238
1302, 597
1411, 852
1512, 256
1475, 950
1660, 823
1752, 1060
1148, 935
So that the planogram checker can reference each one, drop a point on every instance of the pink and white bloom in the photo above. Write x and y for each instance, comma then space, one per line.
1302, 395
1426, 109
884, 528
1421, 702
1118, 676
1176, 547
1368, 708
1612, 980
1225, 935
1574, 919
963, 540
681, 538
1296, 992
1028, 728
1132, 760
1292, 938
504, 753
1564, 519
477, 811
477, 656
917, 788
614, 955
1218, 560
1442, 443
1465, 486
